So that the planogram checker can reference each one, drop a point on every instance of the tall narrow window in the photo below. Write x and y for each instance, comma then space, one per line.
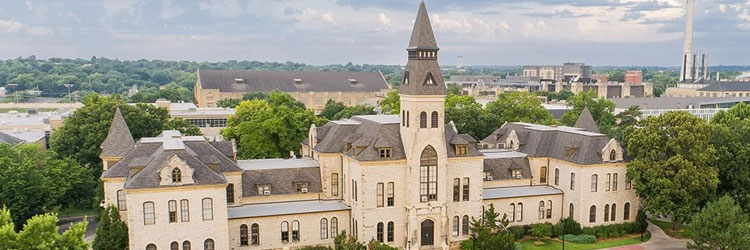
121, 202
334, 227
466, 189
176, 175
284, 232
230, 193
407, 118
519, 211
592, 214
186, 245
571, 210
184, 210
295, 230
380, 232
390, 195
614, 182
148, 213
456, 189
512, 216
541, 210
208, 209
456, 225
403, 118
174, 246
612, 155
557, 176
549, 209
379, 194
428, 174
465, 225
208, 244
255, 234
572, 181
324, 228
626, 211
606, 212
613, 214
334, 184
543, 175
594, 180
628, 183
150, 247
172, 211
243, 235
434, 122
423, 120
609, 181
390, 231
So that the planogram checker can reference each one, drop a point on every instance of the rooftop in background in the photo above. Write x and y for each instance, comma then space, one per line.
501, 153
727, 86
261, 164
291, 81
678, 102
23, 135
33, 119
510, 192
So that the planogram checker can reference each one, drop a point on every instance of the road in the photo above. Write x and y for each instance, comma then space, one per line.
659, 240
65, 223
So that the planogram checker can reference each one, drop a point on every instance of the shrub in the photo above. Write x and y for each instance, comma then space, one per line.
614, 230
571, 226
316, 248
517, 231
541, 230
583, 238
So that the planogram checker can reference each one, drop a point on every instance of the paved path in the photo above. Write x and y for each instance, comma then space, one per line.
65, 223
659, 240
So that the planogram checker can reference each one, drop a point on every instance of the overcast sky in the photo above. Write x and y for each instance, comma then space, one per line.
485, 32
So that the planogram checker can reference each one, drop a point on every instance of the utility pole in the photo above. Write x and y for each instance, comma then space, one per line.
15, 92
68, 85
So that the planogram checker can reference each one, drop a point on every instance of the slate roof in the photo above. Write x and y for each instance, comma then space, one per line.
420, 69
9, 139
727, 86
265, 81
500, 162
586, 121
119, 141
421, 34
285, 208
522, 191
547, 141
282, 180
646, 103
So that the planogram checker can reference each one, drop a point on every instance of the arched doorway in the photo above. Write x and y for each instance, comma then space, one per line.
427, 236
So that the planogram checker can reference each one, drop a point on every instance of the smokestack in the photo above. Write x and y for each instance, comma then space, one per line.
687, 45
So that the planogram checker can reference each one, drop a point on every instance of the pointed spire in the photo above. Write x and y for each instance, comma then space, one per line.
586, 121
421, 35
119, 141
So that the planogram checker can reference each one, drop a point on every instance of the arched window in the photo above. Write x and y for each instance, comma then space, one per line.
571, 210
434, 122
626, 210
572, 181
557, 176
186, 245
334, 227
465, 225
390, 231
295, 230
612, 155
379, 234
606, 212
541, 210
519, 211
543, 175
594, 180
255, 234
243, 235
174, 246
428, 174
148, 213
511, 147
549, 209
208, 244
151, 247
512, 216
230, 193
324, 228
456, 225
592, 214
176, 175
284, 232
613, 214
423, 120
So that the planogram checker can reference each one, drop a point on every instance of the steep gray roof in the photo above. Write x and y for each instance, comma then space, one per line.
522, 191
419, 70
421, 34
285, 208
281, 180
265, 81
9, 139
500, 163
646, 103
547, 141
119, 141
727, 86
586, 121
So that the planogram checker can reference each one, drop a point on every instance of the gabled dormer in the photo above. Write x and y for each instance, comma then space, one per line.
612, 152
175, 172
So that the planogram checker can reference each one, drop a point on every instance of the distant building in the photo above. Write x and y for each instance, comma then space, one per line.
209, 121
603, 89
566, 72
458, 79
634, 76
313, 89
599, 77
32, 126
710, 89
743, 77
703, 107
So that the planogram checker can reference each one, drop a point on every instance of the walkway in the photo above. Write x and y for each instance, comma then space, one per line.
65, 223
659, 240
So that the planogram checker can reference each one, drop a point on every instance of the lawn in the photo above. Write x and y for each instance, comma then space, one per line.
528, 244
666, 226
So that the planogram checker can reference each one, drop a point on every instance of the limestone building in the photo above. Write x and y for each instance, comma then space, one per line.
408, 180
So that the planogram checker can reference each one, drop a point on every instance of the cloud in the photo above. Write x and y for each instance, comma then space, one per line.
10, 25
171, 11
222, 8
41, 31
384, 19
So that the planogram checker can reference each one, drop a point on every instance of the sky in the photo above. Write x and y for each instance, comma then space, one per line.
497, 32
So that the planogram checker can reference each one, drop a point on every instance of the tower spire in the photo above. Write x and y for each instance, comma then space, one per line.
421, 35
422, 76
119, 141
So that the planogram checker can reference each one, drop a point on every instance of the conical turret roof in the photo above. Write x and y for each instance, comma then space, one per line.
421, 35
586, 121
119, 141
422, 75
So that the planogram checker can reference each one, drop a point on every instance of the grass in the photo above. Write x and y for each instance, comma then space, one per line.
666, 226
71, 212
528, 244
24, 110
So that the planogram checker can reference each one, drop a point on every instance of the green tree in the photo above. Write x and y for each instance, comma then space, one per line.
270, 128
540, 230
617, 76
112, 233
673, 164
181, 125
730, 136
517, 107
344, 241
331, 109
377, 245
231, 103
40, 233
454, 89
720, 225
391, 104
602, 110
491, 233
348, 112
468, 116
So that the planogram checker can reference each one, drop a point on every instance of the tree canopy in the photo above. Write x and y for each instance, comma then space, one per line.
40, 233
730, 136
334, 110
491, 232
721, 224
602, 110
518, 107
112, 233
391, 104
468, 116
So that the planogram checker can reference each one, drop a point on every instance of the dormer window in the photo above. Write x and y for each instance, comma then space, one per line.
347, 146
429, 80
239, 80
488, 176
461, 149
406, 78
297, 81
352, 81
301, 187
515, 173
264, 189
385, 153
176, 175
612, 155
569, 152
